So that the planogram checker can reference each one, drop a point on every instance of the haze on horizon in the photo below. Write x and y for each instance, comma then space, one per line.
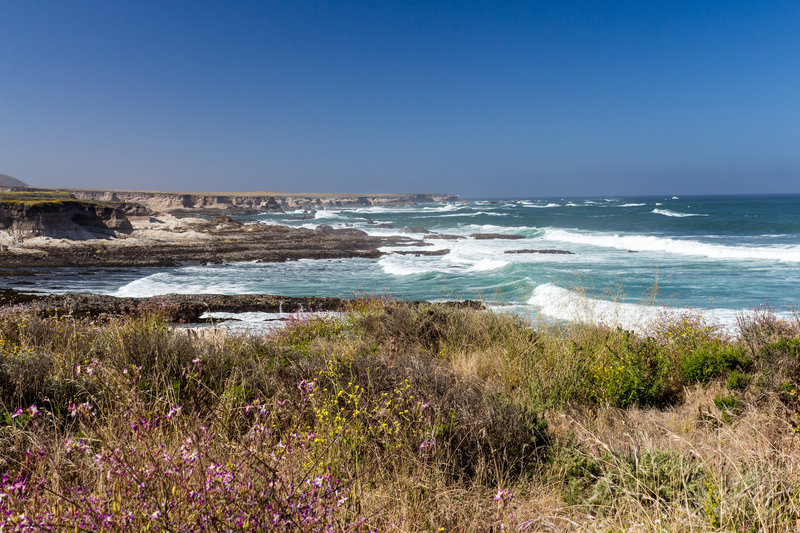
537, 99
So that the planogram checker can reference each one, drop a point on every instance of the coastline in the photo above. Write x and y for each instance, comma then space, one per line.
183, 308
79, 227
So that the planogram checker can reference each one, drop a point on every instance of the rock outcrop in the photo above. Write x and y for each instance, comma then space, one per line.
71, 219
184, 307
195, 241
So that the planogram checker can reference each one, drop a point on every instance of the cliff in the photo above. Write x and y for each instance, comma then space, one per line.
63, 218
253, 202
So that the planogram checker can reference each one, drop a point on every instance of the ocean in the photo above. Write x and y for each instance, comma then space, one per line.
631, 259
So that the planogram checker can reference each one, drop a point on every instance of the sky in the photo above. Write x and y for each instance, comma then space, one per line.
482, 99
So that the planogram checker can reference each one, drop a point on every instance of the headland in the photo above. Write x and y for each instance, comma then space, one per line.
82, 227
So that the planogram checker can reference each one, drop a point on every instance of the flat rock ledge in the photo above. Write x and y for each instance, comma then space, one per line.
215, 241
184, 308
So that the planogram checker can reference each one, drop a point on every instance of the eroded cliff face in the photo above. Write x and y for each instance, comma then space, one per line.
72, 219
252, 202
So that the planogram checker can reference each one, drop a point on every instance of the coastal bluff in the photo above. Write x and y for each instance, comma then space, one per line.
209, 203
60, 227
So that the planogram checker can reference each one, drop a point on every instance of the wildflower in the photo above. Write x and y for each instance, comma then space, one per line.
430, 443
33, 410
503, 497
307, 386
83, 409
175, 410
17, 413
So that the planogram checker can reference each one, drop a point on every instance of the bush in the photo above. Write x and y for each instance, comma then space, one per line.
650, 477
711, 360
634, 372
738, 380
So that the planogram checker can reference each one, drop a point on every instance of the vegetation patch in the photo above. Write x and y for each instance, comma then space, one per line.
395, 417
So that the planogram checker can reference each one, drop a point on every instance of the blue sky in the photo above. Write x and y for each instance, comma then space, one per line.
481, 99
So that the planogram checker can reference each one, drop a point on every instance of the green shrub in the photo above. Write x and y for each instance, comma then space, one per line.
727, 402
636, 371
711, 360
738, 380
789, 347
653, 475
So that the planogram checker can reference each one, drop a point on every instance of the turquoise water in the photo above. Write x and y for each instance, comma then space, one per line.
631, 257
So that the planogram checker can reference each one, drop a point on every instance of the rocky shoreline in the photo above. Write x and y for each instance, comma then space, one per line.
197, 242
179, 308
65, 228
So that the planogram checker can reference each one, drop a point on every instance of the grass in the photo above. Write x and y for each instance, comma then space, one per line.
35, 197
398, 417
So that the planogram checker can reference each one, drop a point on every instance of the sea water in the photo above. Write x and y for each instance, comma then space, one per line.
631, 258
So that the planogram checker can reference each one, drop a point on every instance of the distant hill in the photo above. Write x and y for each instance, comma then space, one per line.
8, 181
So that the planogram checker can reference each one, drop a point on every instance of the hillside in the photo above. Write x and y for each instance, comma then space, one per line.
8, 181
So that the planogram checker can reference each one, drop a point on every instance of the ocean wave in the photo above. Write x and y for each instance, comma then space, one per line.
164, 283
328, 214
396, 265
406, 209
563, 304
493, 228
631, 205
668, 213
539, 206
476, 213
485, 265
650, 243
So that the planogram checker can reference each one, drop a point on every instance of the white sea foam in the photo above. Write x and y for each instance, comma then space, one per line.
406, 209
406, 265
328, 214
668, 213
164, 284
540, 206
631, 205
485, 265
258, 322
476, 213
492, 228
562, 304
650, 243
468, 255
